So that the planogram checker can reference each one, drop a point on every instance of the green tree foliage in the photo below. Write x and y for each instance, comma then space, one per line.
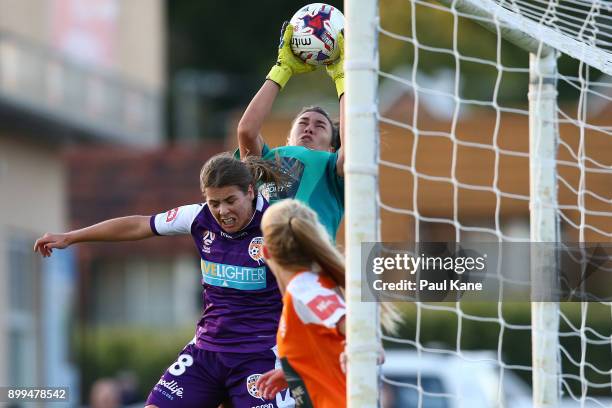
236, 42
105, 353
241, 39
227, 36
442, 36
146, 353
439, 329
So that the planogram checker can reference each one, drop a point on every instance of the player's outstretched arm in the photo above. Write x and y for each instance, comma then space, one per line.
250, 140
287, 64
129, 228
340, 160
336, 72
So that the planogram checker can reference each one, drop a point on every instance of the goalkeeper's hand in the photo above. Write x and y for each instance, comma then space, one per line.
287, 62
336, 70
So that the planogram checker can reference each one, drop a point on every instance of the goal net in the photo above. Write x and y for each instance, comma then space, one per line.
493, 124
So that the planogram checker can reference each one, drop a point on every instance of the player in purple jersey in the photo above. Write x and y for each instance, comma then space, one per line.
236, 335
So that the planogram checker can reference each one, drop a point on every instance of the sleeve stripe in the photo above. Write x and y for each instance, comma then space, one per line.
152, 224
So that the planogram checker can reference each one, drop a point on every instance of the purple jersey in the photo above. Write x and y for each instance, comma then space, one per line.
242, 303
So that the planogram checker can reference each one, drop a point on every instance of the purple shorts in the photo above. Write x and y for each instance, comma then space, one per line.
203, 379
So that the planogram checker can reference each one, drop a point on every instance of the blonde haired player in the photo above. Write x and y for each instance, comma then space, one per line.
309, 271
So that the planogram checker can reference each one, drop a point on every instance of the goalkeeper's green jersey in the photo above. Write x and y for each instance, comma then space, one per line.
313, 180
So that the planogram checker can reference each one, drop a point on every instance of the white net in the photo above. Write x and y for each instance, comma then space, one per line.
454, 166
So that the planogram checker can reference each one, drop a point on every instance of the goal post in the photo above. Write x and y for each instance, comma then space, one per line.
543, 136
547, 30
361, 176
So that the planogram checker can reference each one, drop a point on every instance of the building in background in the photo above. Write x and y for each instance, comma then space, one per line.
491, 185
71, 72
474, 164
153, 283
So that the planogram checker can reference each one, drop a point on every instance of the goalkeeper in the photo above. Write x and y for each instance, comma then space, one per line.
313, 156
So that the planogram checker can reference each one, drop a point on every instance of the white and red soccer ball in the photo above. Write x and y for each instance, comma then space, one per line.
315, 33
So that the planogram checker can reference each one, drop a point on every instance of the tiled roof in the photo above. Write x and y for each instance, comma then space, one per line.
108, 182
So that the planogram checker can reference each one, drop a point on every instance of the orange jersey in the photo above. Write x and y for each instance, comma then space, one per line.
309, 343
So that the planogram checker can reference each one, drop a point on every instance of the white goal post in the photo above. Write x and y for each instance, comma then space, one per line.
546, 30
361, 216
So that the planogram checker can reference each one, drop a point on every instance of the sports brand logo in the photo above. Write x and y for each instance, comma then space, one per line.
251, 384
256, 249
324, 306
171, 214
207, 240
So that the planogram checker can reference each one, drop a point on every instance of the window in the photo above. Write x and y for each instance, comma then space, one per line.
145, 292
24, 315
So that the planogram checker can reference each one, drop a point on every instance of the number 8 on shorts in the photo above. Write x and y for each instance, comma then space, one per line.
178, 368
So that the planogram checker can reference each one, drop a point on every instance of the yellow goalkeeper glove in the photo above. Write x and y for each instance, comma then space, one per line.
287, 62
336, 70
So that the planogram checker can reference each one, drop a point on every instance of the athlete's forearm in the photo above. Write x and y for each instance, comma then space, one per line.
342, 120
129, 228
340, 160
249, 127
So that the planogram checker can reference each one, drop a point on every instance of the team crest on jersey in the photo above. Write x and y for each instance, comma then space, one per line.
256, 249
251, 384
171, 214
324, 305
207, 239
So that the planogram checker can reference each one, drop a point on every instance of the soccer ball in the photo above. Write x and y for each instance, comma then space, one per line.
315, 33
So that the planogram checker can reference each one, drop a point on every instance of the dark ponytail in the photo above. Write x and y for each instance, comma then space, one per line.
225, 170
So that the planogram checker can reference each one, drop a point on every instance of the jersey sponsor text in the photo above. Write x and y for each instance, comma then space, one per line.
233, 276
171, 386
